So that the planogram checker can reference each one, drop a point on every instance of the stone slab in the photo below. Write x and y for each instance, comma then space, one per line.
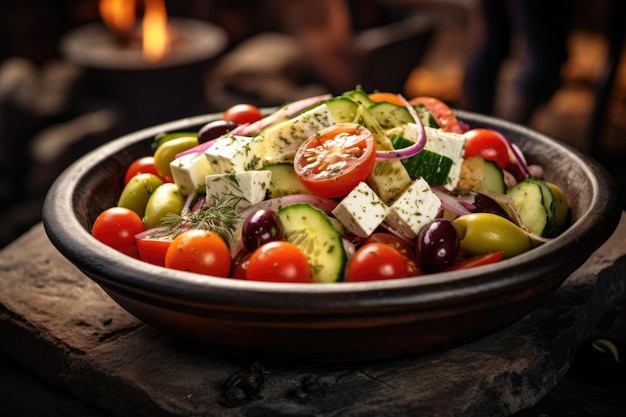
61, 326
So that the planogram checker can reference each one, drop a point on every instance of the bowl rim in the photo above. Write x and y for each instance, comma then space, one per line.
120, 273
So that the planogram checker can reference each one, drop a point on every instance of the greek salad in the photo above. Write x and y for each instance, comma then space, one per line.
356, 187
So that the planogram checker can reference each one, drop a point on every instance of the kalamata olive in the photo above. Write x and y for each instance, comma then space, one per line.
486, 204
437, 245
260, 227
215, 129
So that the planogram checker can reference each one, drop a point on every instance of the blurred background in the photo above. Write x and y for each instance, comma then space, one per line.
61, 96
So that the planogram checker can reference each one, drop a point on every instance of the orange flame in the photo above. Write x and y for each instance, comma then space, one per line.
155, 31
120, 16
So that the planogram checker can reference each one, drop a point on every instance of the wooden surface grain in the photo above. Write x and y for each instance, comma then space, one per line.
61, 327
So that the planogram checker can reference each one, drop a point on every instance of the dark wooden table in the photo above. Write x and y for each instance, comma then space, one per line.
68, 350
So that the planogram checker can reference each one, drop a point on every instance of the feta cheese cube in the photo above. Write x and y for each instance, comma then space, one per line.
189, 172
415, 208
230, 154
241, 189
361, 211
447, 144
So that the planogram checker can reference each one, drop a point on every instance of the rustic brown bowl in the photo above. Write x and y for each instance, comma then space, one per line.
343, 321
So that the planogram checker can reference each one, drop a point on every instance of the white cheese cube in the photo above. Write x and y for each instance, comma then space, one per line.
415, 208
189, 172
230, 154
241, 189
279, 143
361, 211
451, 145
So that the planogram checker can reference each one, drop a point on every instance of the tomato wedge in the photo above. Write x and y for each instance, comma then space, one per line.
153, 250
478, 260
333, 161
441, 111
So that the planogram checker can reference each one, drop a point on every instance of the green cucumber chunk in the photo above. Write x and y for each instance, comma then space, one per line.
493, 178
342, 109
426, 116
312, 231
534, 201
284, 180
360, 97
431, 166
482, 175
390, 115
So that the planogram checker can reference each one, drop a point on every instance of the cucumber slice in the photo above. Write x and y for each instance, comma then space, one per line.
426, 116
360, 97
390, 115
284, 181
312, 231
534, 201
342, 109
431, 166
481, 175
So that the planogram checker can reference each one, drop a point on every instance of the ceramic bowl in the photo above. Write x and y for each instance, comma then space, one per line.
331, 322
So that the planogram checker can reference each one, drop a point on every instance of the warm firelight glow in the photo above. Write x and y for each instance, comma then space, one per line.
155, 31
120, 17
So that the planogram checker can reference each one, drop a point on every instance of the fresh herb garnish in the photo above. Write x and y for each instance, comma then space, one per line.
217, 214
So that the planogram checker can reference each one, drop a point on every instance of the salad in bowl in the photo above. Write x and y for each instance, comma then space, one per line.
357, 187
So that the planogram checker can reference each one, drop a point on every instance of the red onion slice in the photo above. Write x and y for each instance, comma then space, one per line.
409, 151
287, 110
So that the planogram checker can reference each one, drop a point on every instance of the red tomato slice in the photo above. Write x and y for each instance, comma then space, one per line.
376, 261
478, 260
116, 227
489, 144
278, 261
441, 111
199, 251
153, 250
332, 162
242, 114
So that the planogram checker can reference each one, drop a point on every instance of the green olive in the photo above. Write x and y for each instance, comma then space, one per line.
166, 153
487, 232
161, 138
136, 193
165, 199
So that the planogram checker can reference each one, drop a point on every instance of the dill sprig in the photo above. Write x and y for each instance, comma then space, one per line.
218, 215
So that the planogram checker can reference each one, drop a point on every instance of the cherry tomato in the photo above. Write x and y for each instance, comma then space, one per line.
333, 161
240, 265
116, 227
489, 144
441, 111
388, 97
279, 261
376, 261
478, 260
402, 246
242, 113
153, 250
143, 165
199, 251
